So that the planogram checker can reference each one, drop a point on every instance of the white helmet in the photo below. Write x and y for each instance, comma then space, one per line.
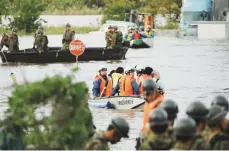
160, 85
138, 67
102, 68
148, 27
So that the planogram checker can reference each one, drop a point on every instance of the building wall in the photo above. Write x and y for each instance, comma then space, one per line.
218, 7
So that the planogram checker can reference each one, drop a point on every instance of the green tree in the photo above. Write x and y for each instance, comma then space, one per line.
4, 9
26, 12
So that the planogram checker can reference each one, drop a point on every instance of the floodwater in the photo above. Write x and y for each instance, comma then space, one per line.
191, 69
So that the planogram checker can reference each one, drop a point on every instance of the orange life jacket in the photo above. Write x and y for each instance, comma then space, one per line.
126, 88
143, 77
137, 35
148, 107
108, 90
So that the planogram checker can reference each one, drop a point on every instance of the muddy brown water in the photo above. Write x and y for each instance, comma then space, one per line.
191, 69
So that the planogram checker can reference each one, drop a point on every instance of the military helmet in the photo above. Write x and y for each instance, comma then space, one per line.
14, 30
110, 27
4, 34
68, 25
185, 126
40, 28
221, 101
149, 85
121, 126
197, 110
170, 107
115, 27
158, 117
216, 114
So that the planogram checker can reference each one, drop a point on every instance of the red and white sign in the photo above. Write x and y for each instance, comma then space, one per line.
76, 47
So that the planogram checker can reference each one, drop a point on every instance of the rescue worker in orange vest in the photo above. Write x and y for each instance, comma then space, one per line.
153, 99
139, 72
102, 85
136, 34
147, 74
127, 85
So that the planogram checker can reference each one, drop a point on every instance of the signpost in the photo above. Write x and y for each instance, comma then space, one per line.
76, 48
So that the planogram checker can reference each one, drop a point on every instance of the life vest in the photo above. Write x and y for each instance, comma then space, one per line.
126, 88
143, 77
148, 107
129, 36
108, 90
148, 34
115, 78
137, 35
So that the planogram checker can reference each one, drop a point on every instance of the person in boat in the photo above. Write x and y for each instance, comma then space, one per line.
119, 128
117, 75
109, 37
222, 102
117, 38
147, 74
156, 75
149, 33
141, 29
127, 85
156, 138
41, 41
128, 36
214, 134
139, 71
136, 34
68, 36
198, 112
111, 73
4, 41
13, 41
102, 85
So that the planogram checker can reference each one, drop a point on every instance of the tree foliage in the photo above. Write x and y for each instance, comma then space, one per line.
70, 122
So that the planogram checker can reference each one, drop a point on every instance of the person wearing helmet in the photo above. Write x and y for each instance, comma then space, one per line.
128, 36
172, 110
149, 33
119, 128
153, 99
222, 102
117, 75
214, 134
117, 38
109, 36
156, 75
4, 41
184, 131
139, 72
141, 29
13, 41
127, 85
136, 34
68, 36
146, 75
41, 41
102, 85
156, 138
198, 112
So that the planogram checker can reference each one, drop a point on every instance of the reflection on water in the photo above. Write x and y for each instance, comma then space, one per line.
190, 70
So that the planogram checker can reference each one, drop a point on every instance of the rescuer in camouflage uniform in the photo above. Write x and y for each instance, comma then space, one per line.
198, 112
171, 108
68, 36
109, 37
223, 103
4, 41
156, 138
13, 41
214, 134
116, 130
41, 41
117, 38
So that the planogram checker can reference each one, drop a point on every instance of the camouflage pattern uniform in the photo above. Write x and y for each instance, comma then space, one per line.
13, 43
109, 38
97, 142
41, 41
117, 39
4, 43
67, 38
156, 142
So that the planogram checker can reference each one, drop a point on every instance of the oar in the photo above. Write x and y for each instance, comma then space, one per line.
11, 74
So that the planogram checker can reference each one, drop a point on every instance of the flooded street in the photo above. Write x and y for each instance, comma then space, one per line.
190, 69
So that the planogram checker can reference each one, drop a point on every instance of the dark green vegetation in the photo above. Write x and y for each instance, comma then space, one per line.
70, 122
27, 12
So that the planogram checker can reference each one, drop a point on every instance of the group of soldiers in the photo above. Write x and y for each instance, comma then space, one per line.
40, 40
202, 129
113, 37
